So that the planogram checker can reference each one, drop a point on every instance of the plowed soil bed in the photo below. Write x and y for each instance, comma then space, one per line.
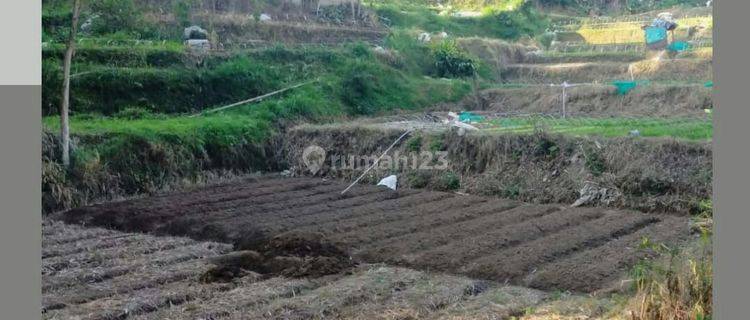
541, 246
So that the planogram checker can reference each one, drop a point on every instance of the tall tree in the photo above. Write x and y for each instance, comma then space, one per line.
64, 123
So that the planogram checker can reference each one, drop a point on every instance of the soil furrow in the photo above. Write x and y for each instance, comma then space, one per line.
392, 249
431, 203
168, 205
613, 259
455, 211
517, 261
146, 221
314, 216
454, 254
229, 229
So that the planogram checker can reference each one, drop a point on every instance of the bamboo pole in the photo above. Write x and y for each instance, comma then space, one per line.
254, 99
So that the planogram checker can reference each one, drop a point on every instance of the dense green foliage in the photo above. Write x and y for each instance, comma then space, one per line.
351, 76
452, 61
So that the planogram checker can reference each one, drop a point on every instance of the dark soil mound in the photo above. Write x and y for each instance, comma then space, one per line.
293, 254
304, 244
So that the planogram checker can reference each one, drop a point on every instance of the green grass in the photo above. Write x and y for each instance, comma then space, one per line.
121, 55
163, 127
688, 129
524, 21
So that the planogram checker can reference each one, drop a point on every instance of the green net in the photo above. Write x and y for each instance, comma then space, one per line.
623, 87
469, 117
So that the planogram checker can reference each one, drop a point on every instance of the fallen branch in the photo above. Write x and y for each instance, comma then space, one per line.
254, 99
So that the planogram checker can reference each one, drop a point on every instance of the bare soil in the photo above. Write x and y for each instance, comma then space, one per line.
307, 224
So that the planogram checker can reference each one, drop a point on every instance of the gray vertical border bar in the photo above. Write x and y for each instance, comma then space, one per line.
20, 159
731, 159
20, 202
20, 182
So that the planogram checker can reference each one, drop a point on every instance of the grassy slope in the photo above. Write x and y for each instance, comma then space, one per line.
493, 23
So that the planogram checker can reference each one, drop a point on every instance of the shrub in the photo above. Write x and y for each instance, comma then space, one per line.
414, 144
437, 143
448, 181
545, 147
706, 208
512, 191
452, 61
545, 39
676, 288
134, 113
594, 162
361, 50
111, 16
181, 10
418, 178
360, 87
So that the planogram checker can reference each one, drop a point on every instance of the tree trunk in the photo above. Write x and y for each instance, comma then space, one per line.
354, 13
64, 122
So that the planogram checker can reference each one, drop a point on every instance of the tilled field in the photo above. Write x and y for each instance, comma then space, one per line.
541, 246
97, 274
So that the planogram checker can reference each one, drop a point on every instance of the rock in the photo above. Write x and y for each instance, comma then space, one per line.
194, 32
264, 17
424, 37
88, 24
198, 45
591, 193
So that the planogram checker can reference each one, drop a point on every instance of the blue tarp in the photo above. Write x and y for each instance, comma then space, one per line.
678, 46
655, 35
